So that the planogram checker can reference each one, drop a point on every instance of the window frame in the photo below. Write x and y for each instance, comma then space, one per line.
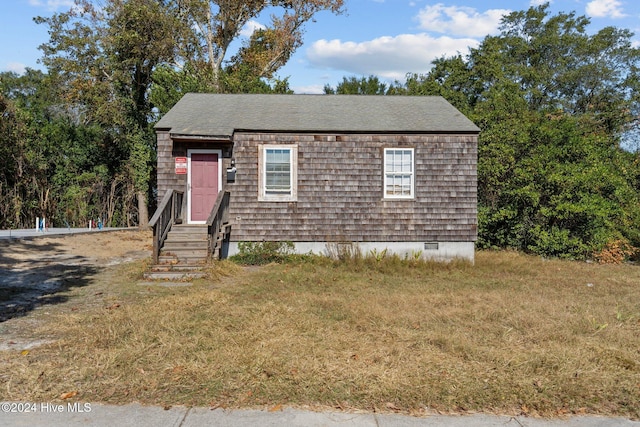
263, 192
410, 174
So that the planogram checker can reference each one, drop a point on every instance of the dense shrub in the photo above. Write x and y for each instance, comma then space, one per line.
259, 253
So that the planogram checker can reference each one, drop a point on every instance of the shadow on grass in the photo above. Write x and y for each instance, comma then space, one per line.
34, 275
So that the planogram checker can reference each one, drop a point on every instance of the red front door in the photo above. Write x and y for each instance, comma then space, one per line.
204, 184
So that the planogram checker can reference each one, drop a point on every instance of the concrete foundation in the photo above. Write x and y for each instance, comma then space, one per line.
437, 251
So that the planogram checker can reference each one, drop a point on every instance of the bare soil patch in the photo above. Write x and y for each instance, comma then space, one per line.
40, 276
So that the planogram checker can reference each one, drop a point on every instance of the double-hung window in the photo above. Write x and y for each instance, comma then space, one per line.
399, 174
278, 175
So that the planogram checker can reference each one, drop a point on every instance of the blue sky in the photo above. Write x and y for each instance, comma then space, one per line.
387, 38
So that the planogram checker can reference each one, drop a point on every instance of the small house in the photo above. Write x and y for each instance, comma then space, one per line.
394, 173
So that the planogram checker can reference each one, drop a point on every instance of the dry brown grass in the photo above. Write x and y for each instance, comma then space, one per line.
513, 334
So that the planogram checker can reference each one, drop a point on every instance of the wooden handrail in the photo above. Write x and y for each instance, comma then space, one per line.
218, 218
165, 216
165, 201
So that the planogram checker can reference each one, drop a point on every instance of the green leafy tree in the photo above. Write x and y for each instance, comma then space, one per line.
50, 154
171, 83
218, 23
13, 132
202, 62
104, 58
27, 147
358, 86
451, 78
554, 104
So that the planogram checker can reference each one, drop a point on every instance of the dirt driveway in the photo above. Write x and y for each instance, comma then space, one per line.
40, 272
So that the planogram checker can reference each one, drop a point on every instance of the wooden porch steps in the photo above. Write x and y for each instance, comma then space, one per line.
174, 272
181, 251
183, 255
186, 243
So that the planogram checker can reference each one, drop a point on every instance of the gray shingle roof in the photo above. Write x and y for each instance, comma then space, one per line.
217, 115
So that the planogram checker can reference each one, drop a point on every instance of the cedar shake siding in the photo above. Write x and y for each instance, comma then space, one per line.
340, 190
336, 149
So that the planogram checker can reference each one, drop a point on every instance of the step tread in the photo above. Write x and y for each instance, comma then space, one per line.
191, 261
179, 267
183, 229
186, 238
173, 275
185, 241
187, 258
186, 247
177, 251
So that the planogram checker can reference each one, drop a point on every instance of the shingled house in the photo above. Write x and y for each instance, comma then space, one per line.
383, 172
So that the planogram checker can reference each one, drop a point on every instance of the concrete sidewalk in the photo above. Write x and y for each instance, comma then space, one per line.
81, 414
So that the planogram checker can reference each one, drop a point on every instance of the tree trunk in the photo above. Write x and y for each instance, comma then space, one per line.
111, 202
143, 211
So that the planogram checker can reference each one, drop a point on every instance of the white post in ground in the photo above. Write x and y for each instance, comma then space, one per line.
37, 223
89, 224
44, 224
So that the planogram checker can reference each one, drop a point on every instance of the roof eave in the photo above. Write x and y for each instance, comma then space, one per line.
360, 131
204, 136
191, 137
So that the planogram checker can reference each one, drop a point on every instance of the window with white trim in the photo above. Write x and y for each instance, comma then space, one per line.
398, 173
278, 172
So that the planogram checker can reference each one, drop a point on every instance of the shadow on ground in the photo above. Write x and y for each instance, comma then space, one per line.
33, 275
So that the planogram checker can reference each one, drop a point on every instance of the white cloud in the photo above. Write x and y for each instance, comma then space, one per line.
535, 3
52, 5
16, 67
309, 89
250, 27
460, 20
387, 57
605, 9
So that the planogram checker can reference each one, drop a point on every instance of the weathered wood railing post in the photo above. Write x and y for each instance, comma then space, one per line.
169, 210
218, 219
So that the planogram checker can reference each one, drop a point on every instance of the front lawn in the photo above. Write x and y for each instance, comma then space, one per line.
513, 334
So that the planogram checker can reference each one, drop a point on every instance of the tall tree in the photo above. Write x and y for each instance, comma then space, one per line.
13, 132
139, 38
219, 22
25, 146
56, 166
104, 58
554, 103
